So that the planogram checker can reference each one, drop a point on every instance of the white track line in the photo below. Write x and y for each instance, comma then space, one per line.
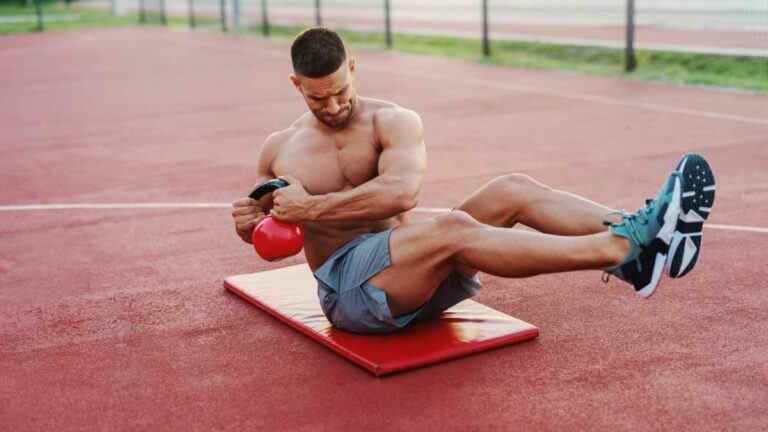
169, 205
737, 228
112, 206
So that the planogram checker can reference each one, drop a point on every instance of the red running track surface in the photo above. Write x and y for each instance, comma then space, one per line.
115, 319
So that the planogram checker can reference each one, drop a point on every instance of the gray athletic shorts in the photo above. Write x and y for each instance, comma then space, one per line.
351, 303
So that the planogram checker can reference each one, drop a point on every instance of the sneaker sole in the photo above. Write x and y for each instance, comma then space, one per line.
663, 239
697, 199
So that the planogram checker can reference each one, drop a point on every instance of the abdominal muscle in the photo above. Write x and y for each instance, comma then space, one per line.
322, 239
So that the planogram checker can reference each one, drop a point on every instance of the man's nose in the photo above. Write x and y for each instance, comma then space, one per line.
333, 107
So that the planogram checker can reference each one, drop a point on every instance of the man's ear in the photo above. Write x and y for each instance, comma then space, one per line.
296, 82
352, 64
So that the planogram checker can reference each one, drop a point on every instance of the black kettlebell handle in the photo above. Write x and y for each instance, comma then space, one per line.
267, 187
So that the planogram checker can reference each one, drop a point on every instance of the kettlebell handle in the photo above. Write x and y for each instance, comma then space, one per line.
267, 187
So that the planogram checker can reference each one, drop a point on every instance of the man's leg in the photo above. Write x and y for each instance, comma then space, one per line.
502, 202
425, 253
513, 198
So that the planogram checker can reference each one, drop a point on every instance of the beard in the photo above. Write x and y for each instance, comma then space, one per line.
339, 120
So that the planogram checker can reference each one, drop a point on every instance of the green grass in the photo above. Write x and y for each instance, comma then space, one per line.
743, 73
86, 18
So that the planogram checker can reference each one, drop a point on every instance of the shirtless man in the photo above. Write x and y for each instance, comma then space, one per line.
355, 167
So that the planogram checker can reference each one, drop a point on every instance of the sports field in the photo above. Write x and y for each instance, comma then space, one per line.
121, 149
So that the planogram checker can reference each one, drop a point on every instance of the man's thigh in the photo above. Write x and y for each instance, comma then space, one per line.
421, 255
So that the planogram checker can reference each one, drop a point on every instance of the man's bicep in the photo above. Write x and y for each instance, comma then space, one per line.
403, 161
403, 157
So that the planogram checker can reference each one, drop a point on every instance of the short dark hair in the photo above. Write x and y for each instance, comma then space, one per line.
317, 52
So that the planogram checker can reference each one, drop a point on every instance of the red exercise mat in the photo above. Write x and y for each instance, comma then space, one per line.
290, 295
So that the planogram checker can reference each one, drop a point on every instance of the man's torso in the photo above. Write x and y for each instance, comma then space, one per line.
327, 160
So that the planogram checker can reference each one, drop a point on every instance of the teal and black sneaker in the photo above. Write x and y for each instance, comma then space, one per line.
698, 197
644, 271
649, 231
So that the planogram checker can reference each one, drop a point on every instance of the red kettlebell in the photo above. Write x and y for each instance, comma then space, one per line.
274, 239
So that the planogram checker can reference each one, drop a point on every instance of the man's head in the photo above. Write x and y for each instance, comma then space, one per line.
324, 75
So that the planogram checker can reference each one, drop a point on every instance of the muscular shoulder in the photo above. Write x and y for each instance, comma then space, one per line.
273, 144
395, 121
301, 124
395, 116
274, 141
278, 139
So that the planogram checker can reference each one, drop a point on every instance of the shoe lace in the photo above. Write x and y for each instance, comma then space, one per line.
632, 220
644, 214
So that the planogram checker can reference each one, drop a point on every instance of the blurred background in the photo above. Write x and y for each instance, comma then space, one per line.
127, 128
710, 42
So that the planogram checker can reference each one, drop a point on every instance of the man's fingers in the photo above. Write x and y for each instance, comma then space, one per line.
247, 213
247, 222
245, 202
243, 222
248, 219
246, 237
251, 210
244, 230
280, 215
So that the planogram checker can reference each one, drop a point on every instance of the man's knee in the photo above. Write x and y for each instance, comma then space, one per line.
438, 237
450, 231
456, 220
520, 183
454, 227
517, 190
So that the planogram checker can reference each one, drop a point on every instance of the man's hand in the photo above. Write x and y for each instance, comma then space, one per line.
247, 213
292, 203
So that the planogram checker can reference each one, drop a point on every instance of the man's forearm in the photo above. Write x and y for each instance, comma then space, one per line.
380, 198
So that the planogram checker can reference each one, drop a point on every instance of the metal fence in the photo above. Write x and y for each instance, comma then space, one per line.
736, 27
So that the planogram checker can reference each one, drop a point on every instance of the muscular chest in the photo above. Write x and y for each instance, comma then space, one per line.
330, 163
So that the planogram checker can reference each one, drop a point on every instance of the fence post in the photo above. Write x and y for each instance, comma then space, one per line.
264, 18
142, 12
192, 21
236, 15
486, 41
39, 12
223, 14
387, 24
113, 7
630, 61
318, 16
163, 17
